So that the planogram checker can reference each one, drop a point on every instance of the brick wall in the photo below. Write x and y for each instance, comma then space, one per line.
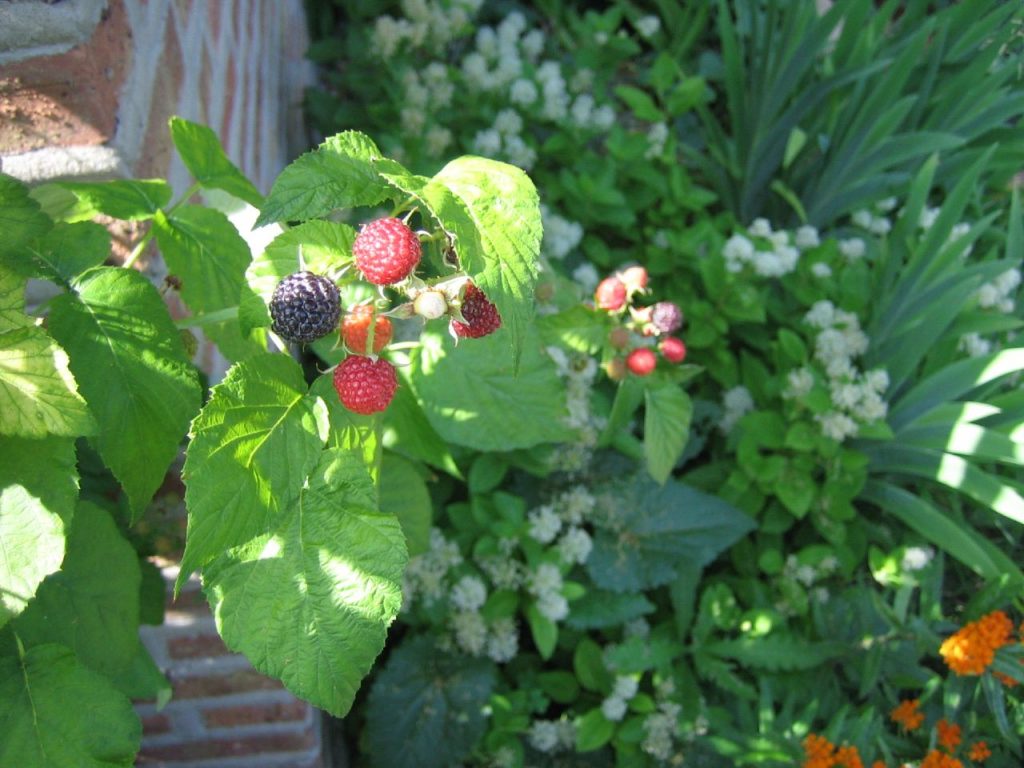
86, 88
222, 712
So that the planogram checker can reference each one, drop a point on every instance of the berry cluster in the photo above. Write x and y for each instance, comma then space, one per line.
643, 332
306, 307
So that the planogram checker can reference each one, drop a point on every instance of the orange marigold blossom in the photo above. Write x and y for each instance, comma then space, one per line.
979, 751
878, 764
949, 735
819, 751
971, 649
907, 715
937, 759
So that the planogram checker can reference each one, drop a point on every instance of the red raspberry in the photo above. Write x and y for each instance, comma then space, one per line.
365, 386
610, 294
642, 361
355, 330
480, 314
672, 349
386, 251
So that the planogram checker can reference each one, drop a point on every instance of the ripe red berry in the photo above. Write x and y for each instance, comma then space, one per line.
355, 330
365, 385
642, 361
610, 294
480, 314
386, 251
672, 349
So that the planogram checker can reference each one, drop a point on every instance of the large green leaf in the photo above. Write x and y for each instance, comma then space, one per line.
38, 487
667, 415
21, 221
67, 250
204, 250
645, 530
404, 495
127, 199
503, 205
55, 713
203, 155
426, 708
599, 609
473, 397
91, 604
340, 173
38, 392
778, 652
131, 366
311, 601
252, 448
407, 431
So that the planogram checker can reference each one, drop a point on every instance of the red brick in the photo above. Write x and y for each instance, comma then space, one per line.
157, 147
69, 98
202, 647
155, 724
254, 745
279, 712
223, 685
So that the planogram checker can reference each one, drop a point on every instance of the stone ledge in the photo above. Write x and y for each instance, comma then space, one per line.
54, 163
30, 28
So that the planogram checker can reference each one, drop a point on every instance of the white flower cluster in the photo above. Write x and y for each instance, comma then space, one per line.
503, 139
856, 395
424, 23
552, 736
998, 294
500, 640
614, 706
809, 574
974, 344
561, 236
873, 222
779, 259
545, 584
657, 137
916, 558
425, 574
647, 26
546, 523
735, 403
660, 729
579, 372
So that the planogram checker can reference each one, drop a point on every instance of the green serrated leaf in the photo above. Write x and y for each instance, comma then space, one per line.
38, 488
640, 103
55, 713
340, 173
404, 495
468, 392
204, 250
667, 414
777, 652
503, 206
21, 222
203, 155
448, 720
589, 667
253, 445
12, 300
655, 527
579, 328
131, 367
37, 387
408, 431
68, 250
345, 429
600, 608
127, 199
321, 247
311, 601
91, 604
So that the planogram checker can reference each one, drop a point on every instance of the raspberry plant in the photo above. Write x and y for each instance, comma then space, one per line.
300, 538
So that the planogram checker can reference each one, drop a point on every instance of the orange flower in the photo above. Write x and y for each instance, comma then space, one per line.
970, 650
949, 734
820, 752
979, 751
936, 759
848, 757
907, 715
878, 764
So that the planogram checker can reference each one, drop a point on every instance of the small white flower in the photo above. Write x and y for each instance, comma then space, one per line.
613, 708
916, 558
587, 276
821, 315
648, 26
821, 269
576, 504
508, 122
552, 606
523, 92
880, 226
886, 205
836, 426
533, 44
547, 578
470, 632
877, 379
575, 546
543, 735
469, 594
760, 228
545, 524
928, 217
974, 345
625, 687
738, 248
582, 110
852, 249
603, 118
799, 383
807, 237
863, 218
437, 140
487, 143
503, 642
